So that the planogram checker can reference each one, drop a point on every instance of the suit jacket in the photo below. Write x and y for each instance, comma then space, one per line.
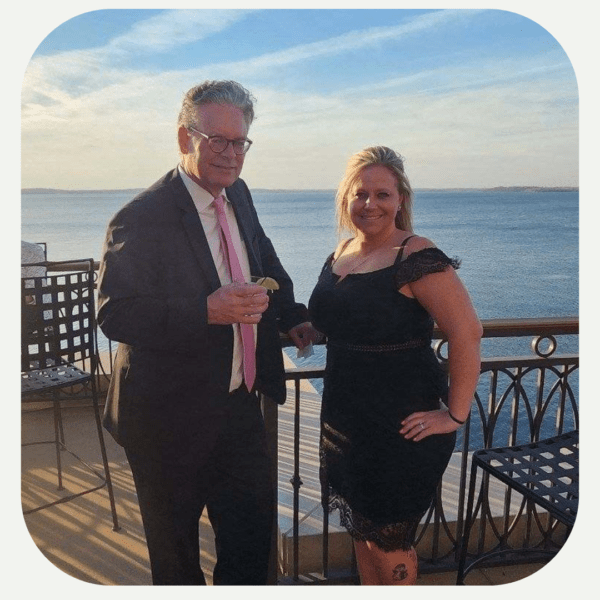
171, 367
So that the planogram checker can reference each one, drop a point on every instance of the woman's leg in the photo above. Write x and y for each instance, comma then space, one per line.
377, 567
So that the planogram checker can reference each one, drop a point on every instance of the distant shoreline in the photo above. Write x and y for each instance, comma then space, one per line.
255, 190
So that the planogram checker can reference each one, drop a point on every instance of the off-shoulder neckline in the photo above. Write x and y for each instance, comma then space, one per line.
396, 263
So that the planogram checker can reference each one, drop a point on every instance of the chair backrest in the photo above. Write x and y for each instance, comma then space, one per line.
58, 315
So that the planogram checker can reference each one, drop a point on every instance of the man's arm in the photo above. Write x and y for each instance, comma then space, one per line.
134, 306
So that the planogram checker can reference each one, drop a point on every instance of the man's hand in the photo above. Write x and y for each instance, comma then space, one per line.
304, 334
237, 303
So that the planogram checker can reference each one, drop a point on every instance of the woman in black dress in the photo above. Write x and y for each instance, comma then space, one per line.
389, 415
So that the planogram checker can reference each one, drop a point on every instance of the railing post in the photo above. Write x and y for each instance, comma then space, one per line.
296, 480
269, 410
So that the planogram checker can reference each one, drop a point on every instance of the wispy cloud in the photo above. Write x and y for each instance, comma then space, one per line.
350, 41
60, 86
468, 111
474, 73
78, 72
170, 29
52, 78
481, 136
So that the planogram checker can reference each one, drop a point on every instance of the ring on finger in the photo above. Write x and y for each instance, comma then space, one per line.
422, 426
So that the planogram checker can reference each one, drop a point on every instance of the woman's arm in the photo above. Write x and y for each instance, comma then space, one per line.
444, 296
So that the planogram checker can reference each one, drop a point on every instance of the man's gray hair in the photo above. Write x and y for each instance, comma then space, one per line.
216, 92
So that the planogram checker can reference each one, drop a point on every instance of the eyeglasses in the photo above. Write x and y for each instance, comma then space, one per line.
218, 144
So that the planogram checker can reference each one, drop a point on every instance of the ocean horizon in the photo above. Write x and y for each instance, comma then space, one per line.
519, 249
516, 188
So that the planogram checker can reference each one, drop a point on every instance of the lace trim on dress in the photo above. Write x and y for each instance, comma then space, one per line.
423, 262
389, 538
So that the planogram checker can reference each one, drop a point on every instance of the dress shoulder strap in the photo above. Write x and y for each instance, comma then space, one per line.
401, 250
333, 259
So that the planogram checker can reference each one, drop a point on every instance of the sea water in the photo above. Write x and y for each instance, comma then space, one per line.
519, 249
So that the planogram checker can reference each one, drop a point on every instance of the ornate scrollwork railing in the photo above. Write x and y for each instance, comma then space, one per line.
519, 399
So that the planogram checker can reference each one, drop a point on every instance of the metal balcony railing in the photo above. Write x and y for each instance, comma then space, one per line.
523, 395
519, 399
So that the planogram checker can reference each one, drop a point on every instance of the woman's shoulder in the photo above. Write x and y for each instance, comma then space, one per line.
415, 243
340, 248
422, 257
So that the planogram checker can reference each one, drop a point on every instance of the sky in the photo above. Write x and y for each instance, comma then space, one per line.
470, 97
477, 97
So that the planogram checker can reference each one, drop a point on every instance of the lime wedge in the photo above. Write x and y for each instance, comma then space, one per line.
267, 282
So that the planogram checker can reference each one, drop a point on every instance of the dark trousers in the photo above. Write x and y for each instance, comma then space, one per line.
231, 478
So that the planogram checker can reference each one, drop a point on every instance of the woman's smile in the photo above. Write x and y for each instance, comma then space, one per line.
375, 200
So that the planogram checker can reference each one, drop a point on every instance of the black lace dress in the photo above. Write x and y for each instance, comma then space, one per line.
380, 368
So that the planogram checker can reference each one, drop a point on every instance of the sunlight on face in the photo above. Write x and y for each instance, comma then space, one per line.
375, 201
214, 171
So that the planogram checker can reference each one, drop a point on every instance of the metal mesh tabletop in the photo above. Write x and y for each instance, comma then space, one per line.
545, 472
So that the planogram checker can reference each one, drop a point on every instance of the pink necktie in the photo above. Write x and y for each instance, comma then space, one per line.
237, 275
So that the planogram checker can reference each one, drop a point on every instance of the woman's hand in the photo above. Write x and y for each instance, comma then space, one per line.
420, 425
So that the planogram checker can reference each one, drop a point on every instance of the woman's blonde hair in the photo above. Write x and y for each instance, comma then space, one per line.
375, 155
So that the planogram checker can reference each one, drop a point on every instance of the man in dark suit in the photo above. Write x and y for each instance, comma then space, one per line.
180, 402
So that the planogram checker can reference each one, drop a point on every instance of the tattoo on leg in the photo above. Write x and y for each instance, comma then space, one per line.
400, 572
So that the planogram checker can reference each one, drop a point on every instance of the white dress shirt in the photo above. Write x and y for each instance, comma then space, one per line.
203, 201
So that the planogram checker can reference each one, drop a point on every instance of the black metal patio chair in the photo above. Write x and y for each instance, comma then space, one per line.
545, 473
59, 351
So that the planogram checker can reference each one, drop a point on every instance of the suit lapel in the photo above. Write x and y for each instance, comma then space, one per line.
243, 216
195, 232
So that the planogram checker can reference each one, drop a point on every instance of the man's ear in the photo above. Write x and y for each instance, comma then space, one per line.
184, 140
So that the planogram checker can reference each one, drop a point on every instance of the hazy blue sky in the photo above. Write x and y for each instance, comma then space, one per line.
471, 98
